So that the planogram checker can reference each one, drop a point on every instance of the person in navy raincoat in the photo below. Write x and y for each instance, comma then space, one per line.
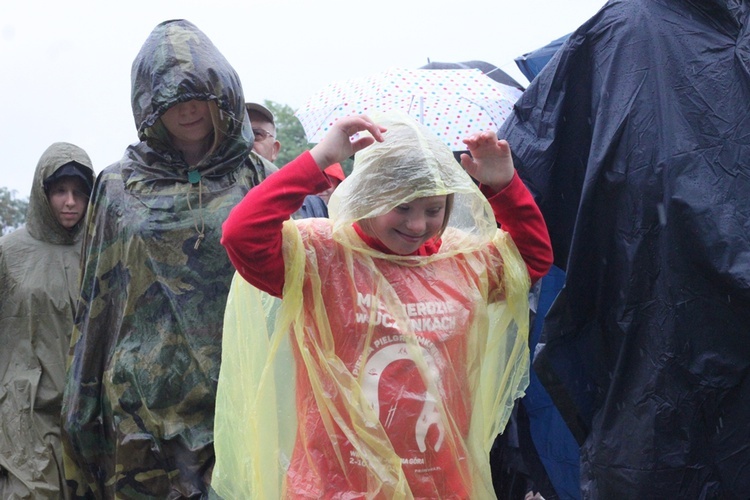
634, 140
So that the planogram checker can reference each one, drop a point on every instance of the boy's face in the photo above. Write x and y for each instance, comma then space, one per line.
68, 200
410, 225
188, 123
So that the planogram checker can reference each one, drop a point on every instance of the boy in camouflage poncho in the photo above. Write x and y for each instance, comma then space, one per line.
139, 401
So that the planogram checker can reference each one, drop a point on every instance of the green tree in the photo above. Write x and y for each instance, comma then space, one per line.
12, 210
291, 135
289, 132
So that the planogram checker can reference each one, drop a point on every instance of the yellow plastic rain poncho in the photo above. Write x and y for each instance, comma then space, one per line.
377, 375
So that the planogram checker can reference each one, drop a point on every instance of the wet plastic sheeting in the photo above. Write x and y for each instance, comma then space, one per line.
636, 141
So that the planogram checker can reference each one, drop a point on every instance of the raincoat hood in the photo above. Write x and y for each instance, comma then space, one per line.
412, 162
179, 63
40, 221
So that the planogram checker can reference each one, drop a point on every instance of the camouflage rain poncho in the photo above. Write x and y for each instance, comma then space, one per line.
139, 402
39, 273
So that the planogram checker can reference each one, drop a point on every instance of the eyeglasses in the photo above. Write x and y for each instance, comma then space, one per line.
262, 135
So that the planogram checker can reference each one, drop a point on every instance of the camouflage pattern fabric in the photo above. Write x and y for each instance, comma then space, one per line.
39, 276
139, 400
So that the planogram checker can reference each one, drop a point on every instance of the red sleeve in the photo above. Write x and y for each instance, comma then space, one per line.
251, 234
517, 213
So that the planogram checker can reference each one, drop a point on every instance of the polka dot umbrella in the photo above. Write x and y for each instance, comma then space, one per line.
451, 103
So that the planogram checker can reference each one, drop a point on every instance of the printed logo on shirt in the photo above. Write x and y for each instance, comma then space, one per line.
392, 351
432, 316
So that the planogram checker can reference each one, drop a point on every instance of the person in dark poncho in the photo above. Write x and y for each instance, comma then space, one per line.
634, 140
139, 402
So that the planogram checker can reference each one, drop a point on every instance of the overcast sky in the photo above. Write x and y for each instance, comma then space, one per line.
65, 66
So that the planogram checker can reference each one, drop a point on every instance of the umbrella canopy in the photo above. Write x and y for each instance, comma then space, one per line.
451, 103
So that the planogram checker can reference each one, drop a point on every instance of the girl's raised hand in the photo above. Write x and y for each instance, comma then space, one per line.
490, 162
338, 144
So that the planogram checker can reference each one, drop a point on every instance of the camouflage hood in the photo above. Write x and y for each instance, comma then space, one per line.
179, 63
40, 221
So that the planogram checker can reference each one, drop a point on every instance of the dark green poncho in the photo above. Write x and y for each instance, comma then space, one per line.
39, 274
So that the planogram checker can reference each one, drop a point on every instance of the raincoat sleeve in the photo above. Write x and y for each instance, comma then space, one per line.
252, 232
518, 215
85, 438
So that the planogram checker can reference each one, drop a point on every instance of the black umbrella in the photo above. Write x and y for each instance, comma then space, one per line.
488, 69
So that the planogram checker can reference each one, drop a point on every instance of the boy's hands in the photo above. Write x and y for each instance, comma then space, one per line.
490, 162
338, 145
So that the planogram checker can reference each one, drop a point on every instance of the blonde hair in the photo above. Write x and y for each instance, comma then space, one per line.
220, 126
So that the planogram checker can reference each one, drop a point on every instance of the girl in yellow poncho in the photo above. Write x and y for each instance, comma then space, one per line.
399, 344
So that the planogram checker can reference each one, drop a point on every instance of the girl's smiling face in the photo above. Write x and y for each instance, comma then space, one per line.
409, 225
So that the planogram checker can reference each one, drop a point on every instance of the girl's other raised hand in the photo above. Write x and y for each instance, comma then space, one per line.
490, 161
